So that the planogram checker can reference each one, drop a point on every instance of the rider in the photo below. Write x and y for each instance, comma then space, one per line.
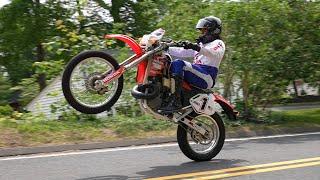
207, 53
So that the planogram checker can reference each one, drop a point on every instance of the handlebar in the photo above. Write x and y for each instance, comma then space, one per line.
175, 44
164, 45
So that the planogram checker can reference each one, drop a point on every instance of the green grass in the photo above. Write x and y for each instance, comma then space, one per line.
297, 116
280, 122
28, 130
24, 129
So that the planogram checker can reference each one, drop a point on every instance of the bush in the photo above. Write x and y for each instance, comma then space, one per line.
5, 110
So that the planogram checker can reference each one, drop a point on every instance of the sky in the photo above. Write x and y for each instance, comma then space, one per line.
4, 2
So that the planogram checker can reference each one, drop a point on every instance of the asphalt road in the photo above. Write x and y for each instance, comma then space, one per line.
290, 157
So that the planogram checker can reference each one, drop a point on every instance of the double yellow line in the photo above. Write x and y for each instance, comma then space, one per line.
245, 170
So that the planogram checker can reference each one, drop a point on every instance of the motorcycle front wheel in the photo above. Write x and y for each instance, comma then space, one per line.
78, 82
197, 147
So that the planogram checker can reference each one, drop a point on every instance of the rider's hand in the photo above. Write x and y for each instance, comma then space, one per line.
189, 45
165, 46
180, 43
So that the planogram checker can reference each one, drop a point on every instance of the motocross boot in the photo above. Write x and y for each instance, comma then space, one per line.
174, 99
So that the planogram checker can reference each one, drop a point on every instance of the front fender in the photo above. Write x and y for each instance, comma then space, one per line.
227, 107
136, 48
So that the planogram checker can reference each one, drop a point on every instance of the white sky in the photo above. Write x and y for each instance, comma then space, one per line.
4, 2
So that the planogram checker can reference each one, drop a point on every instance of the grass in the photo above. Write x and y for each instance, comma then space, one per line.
28, 130
297, 116
279, 122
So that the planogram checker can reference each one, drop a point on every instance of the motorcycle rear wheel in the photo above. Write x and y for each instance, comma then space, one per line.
78, 93
188, 144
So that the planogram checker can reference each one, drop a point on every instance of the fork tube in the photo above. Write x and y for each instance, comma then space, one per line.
116, 74
145, 79
127, 61
137, 61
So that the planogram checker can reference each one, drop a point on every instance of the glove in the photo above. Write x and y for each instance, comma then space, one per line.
165, 47
189, 45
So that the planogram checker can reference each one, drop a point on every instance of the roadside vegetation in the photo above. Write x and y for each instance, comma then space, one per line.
295, 117
25, 129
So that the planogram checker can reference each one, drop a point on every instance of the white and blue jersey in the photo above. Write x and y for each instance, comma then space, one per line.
204, 69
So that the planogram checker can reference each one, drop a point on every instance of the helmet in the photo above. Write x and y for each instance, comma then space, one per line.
212, 23
213, 26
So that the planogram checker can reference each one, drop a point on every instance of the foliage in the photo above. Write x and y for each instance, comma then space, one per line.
5, 110
134, 17
5, 91
24, 26
71, 42
50, 68
27, 89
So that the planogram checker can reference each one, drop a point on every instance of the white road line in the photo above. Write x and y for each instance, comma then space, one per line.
270, 137
140, 147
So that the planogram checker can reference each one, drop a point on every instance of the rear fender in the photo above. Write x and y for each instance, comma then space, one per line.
227, 107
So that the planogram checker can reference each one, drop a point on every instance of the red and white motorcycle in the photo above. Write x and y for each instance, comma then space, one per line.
93, 81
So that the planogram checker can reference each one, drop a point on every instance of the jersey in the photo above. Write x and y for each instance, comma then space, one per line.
210, 54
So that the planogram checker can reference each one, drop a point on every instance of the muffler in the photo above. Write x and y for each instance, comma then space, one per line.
146, 91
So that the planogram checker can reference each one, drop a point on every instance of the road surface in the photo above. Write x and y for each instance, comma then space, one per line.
274, 157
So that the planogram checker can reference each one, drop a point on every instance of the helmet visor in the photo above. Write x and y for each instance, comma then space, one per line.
201, 24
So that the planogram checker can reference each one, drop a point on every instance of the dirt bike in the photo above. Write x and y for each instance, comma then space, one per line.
93, 81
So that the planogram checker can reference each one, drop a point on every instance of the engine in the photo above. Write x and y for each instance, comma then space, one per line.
159, 76
158, 87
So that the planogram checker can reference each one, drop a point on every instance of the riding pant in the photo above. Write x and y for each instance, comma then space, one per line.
199, 75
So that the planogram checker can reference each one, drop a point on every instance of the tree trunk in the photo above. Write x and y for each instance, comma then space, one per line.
115, 10
81, 16
227, 84
228, 74
41, 77
295, 88
245, 88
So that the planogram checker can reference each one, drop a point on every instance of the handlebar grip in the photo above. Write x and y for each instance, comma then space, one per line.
176, 44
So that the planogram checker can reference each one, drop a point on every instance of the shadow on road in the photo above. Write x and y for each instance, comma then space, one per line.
191, 167
188, 167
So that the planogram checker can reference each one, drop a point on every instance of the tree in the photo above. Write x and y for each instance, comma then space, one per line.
24, 27
134, 17
5, 85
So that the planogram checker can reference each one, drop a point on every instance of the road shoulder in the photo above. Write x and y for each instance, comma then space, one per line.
240, 132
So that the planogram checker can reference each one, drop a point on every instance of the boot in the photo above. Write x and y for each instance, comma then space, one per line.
174, 99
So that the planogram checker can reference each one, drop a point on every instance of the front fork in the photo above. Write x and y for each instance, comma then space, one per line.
182, 119
124, 66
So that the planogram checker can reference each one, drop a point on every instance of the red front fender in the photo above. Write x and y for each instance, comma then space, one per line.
136, 48
128, 40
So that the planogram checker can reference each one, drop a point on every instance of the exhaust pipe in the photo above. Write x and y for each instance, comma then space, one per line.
146, 91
